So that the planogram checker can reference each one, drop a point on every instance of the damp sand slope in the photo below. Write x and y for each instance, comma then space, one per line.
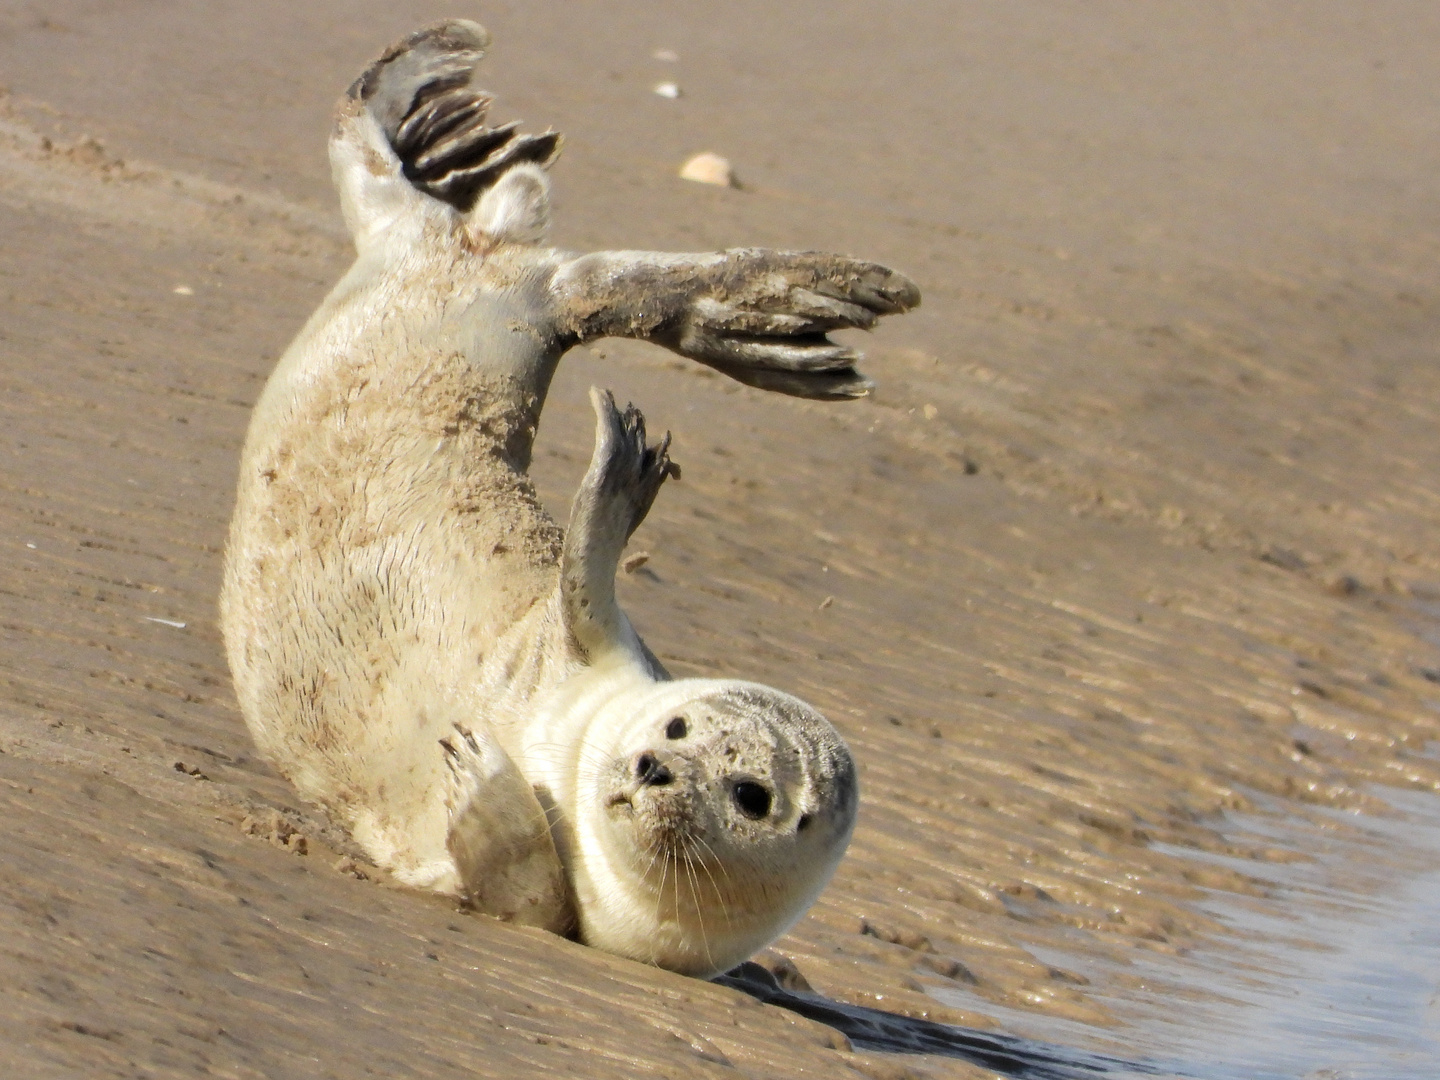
1133, 535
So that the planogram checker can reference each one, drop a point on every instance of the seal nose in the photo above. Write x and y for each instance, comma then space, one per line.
650, 772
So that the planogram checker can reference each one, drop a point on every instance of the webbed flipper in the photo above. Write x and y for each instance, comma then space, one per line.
499, 836
412, 127
761, 317
624, 476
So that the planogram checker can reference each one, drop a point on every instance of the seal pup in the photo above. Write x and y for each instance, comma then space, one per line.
416, 644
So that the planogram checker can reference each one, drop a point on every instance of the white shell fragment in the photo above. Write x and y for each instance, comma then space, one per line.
666, 56
667, 90
183, 290
708, 168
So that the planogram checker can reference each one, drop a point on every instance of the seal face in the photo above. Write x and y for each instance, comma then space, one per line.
717, 808
420, 648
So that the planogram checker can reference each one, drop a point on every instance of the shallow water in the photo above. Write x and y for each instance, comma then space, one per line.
1334, 974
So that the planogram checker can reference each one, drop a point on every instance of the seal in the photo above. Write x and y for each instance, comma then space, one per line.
420, 649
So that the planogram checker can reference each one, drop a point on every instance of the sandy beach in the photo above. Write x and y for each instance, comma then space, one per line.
1133, 544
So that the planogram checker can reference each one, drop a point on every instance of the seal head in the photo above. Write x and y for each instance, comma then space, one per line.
708, 816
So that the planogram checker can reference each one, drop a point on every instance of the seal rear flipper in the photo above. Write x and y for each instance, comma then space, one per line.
623, 479
412, 125
761, 317
499, 837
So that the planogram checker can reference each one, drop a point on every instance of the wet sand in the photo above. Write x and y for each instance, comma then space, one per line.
1133, 534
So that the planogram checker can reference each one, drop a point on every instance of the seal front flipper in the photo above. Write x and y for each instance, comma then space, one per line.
411, 147
624, 476
759, 316
499, 836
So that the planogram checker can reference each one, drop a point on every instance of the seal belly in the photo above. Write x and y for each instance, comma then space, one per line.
385, 538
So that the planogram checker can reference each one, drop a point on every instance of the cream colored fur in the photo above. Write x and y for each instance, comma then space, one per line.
421, 649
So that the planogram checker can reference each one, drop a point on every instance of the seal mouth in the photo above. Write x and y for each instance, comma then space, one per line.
663, 816
652, 771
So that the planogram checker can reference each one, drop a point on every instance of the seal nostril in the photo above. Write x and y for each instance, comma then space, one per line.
650, 772
676, 728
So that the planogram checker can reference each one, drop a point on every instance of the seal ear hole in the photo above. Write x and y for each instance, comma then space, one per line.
752, 799
804, 822
677, 728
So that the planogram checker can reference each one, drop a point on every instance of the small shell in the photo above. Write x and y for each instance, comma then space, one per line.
708, 168
667, 90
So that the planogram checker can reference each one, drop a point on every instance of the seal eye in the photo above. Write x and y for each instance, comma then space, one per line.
676, 728
752, 799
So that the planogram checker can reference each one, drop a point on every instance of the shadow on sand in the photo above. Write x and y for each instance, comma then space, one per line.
874, 1029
